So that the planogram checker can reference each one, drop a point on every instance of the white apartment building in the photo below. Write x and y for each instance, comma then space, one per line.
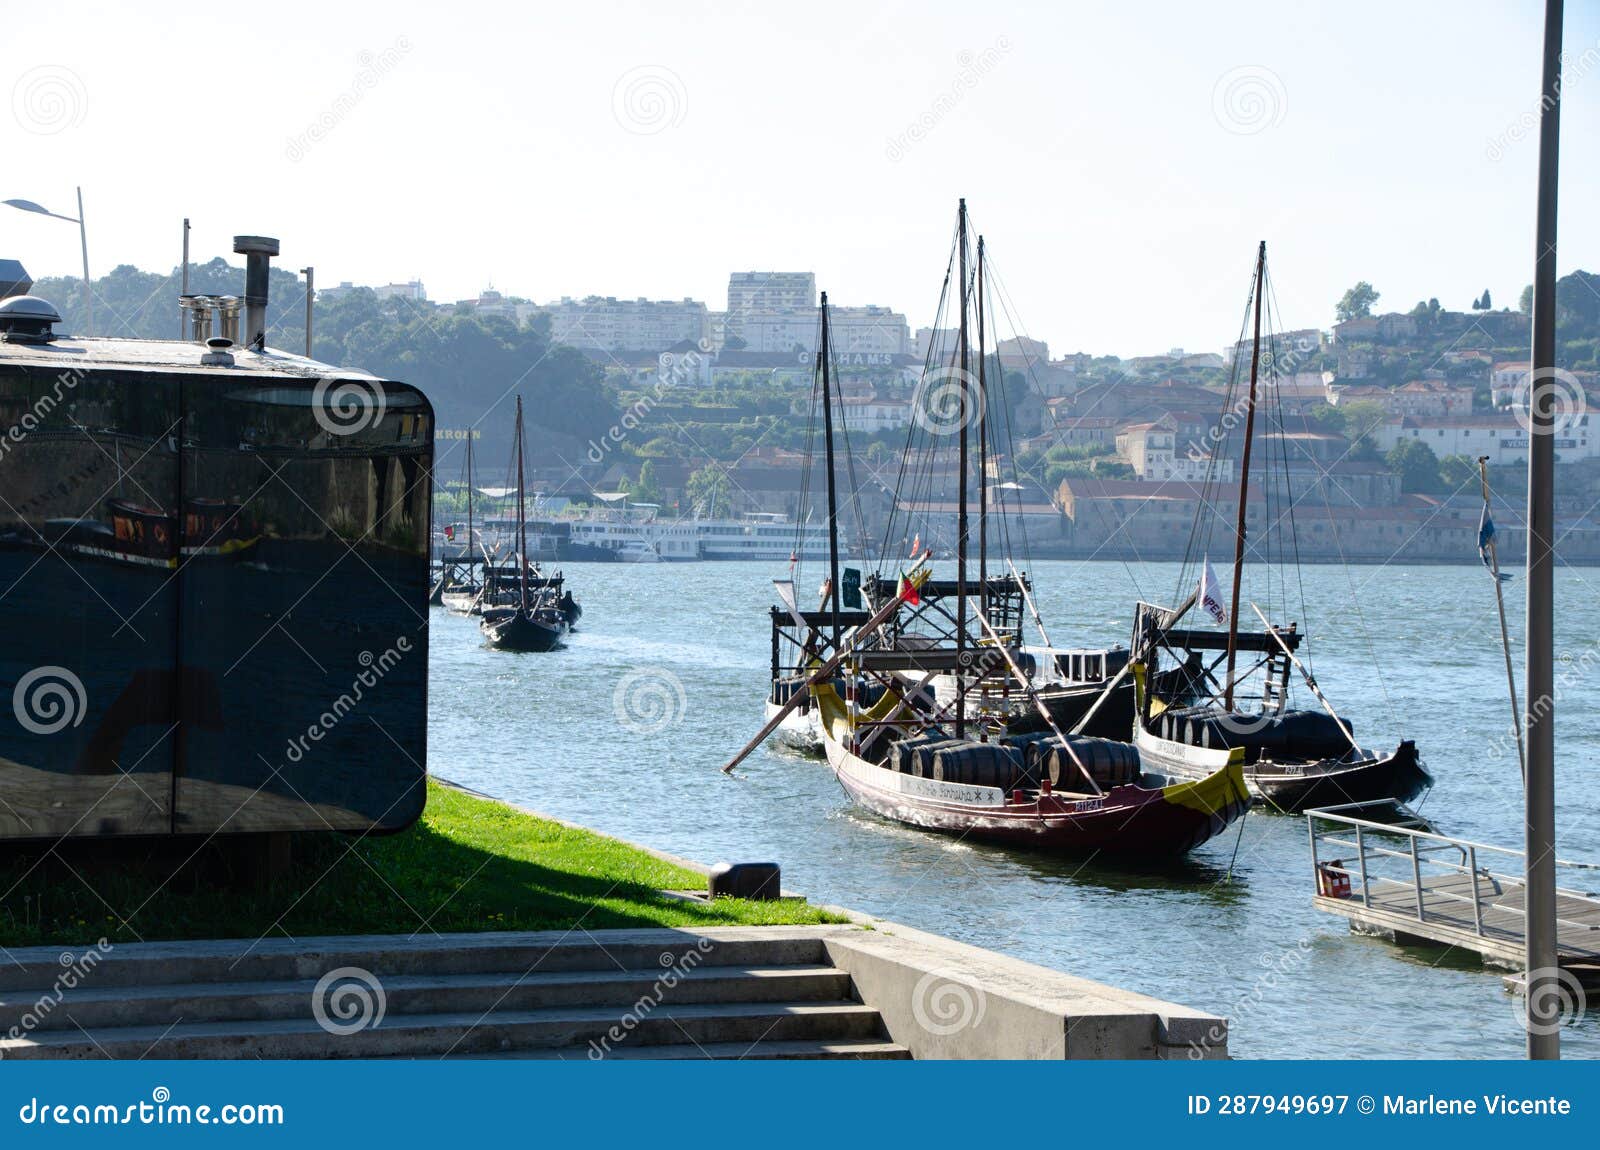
870, 330
605, 323
769, 291
411, 290
1502, 436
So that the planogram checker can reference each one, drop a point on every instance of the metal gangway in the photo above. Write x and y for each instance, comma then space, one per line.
1404, 880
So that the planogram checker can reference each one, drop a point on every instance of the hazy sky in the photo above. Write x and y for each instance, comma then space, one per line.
1123, 159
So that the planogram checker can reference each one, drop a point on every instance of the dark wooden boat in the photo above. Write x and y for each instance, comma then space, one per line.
534, 622
1193, 717
929, 746
513, 629
1146, 817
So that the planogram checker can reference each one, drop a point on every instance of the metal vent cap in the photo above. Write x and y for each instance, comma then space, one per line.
28, 319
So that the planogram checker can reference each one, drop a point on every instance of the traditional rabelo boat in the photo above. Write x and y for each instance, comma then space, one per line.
1189, 721
950, 763
534, 621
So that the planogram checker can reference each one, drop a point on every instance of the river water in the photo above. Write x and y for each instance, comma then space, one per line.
625, 729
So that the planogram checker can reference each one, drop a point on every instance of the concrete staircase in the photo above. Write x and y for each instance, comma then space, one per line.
720, 993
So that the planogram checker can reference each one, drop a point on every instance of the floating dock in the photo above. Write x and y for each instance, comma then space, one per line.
1403, 881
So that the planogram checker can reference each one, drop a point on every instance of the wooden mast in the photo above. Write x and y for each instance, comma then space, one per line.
825, 354
961, 513
1244, 478
983, 454
522, 516
469, 506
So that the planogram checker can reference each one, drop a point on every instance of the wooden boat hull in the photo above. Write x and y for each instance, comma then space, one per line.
1295, 787
1135, 820
516, 631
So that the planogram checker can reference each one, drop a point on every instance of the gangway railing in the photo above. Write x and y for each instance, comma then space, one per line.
1406, 871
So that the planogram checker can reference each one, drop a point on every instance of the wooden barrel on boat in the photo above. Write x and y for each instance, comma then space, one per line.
915, 756
978, 764
1108, 762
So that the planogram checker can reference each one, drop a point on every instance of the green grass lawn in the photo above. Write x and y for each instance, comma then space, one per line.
470, 864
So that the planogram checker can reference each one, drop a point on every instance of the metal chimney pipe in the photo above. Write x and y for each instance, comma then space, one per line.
198, 309
258, 252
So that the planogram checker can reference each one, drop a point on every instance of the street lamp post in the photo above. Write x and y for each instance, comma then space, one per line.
83, 236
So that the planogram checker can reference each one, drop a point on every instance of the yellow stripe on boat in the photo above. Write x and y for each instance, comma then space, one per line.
1216, 792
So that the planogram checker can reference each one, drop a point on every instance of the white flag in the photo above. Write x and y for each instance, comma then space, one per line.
1211, 593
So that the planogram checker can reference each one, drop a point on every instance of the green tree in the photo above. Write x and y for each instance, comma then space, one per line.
1525, 301
647, 491
708, 492
1416, 465
1456, 471
1357, 302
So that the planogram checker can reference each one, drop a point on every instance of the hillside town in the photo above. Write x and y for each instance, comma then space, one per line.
1381, 418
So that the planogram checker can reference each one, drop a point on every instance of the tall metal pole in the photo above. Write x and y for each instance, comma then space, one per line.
184, 289
88, 294
1244, 478
1542, 986
961, 512
522, 516
825, 354
311, 297
983, 454
1505, 632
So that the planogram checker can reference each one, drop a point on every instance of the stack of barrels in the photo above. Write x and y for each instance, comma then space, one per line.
1024, 762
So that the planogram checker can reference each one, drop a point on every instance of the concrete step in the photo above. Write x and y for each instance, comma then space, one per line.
733, 1051
93, 1007
33, 970
467, 1033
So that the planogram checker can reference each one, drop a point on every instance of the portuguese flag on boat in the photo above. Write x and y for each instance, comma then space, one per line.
908, 590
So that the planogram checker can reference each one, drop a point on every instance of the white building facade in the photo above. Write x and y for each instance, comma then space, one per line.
609, 324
